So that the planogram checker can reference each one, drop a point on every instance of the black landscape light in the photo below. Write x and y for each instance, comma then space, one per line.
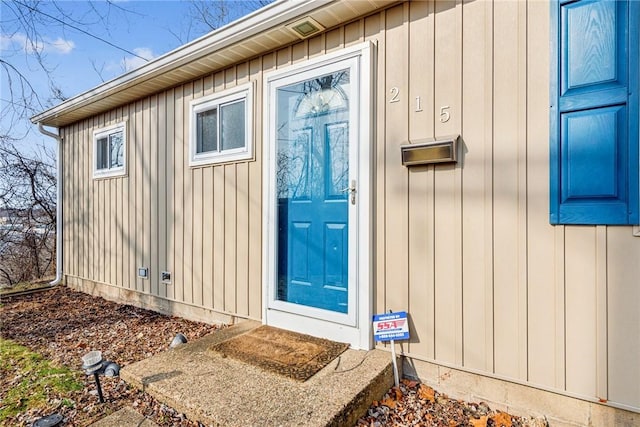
111, 369
178, 340
93, 364
52, 420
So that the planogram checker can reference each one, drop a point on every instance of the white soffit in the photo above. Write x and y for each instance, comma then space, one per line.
248, 37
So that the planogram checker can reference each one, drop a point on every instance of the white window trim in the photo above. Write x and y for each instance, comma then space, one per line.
111, 172
244, 91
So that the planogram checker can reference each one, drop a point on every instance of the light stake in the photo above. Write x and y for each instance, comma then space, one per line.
93, 364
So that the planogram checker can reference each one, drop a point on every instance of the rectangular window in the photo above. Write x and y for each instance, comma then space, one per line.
221, 127
109, 147
207, 131
594, 112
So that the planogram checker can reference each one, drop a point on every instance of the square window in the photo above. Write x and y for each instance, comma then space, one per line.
109, 146
221, 127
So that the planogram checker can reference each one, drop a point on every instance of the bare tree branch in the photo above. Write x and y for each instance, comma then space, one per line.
24, 24
27, 215
210, 15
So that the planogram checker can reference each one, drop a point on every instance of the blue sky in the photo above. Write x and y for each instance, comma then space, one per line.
78, 61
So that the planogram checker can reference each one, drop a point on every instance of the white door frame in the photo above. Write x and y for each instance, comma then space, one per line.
354, 327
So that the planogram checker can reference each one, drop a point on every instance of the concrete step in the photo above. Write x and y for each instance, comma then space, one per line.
217, 390
125, 417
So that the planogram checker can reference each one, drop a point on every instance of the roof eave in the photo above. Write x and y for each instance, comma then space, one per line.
274, 15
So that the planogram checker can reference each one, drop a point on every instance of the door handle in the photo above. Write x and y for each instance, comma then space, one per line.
352, 191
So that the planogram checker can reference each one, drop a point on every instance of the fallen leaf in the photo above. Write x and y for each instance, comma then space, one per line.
479, 422
409, 383
398, 393
502, 419
389, 402
426, 392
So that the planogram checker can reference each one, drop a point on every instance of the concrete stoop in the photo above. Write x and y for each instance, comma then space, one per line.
222, 391
125, 417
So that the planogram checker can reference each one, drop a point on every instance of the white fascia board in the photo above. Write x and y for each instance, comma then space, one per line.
270, 16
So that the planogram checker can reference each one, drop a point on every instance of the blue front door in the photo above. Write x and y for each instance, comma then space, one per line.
313, 190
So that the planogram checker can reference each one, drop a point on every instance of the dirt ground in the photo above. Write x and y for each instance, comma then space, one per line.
63, 325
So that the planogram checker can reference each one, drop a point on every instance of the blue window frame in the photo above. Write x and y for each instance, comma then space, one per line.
594, 112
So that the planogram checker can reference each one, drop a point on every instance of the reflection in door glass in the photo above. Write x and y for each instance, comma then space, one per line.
312, 162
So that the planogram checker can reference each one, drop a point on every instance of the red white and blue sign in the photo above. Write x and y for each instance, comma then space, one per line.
390, 326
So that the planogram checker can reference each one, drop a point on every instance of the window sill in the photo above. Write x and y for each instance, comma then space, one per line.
109, 174
218, 159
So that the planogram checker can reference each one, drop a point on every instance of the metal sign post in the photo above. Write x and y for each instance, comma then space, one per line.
395, 363
390, 327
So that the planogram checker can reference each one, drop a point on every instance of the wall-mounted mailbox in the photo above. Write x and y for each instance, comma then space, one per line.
426, 152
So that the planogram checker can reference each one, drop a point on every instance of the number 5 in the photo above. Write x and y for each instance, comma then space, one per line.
444, 114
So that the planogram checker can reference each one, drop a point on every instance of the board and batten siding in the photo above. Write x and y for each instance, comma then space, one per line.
466, 249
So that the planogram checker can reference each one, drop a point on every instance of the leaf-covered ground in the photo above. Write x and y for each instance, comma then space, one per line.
62, 325
32, 380
416, 404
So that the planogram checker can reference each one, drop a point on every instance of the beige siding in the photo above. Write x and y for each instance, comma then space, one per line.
420, 209
623, 317
170, 192
188, 184
395, 179
374, 28
545, 244
254, 256
477, 186
154, 213
178, 165
490, 286
446, 191
509, 86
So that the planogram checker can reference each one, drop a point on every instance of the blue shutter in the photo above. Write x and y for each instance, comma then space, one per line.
594, 112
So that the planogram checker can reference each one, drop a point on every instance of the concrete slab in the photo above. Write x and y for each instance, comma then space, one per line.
125, 417
217, 390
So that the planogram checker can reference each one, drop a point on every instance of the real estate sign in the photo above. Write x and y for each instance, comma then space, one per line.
391, 326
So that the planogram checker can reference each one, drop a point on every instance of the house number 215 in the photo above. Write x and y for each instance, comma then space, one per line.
445, 114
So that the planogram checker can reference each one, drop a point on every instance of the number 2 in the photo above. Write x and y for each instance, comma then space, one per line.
395, 95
